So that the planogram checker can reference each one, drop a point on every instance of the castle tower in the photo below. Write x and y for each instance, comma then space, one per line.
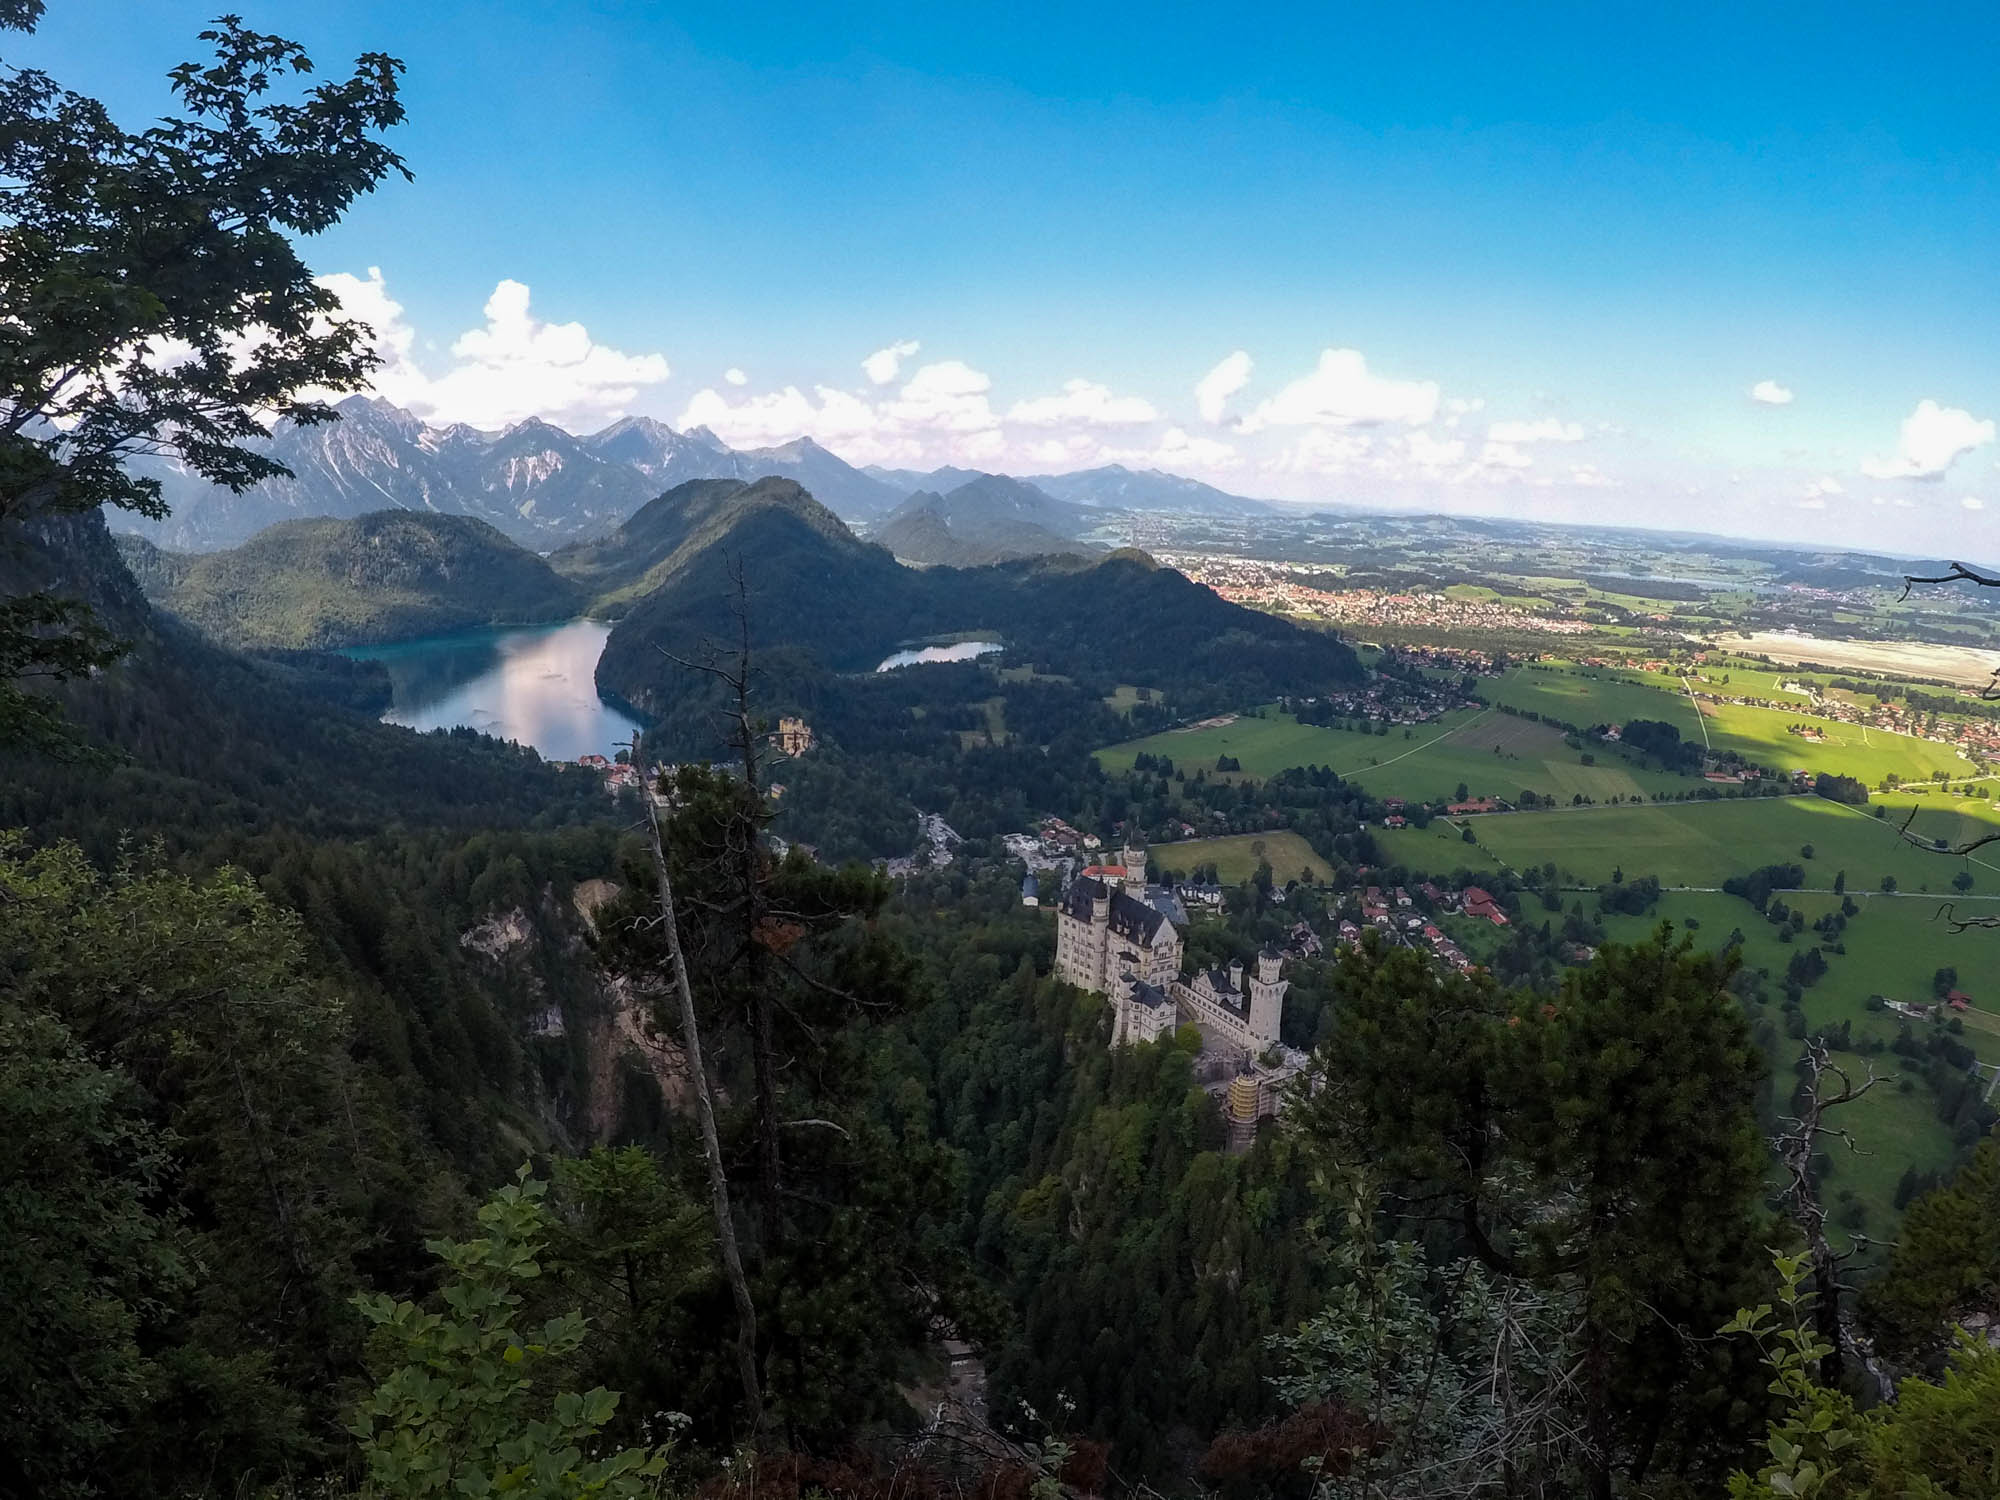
1134, 861
1267, 997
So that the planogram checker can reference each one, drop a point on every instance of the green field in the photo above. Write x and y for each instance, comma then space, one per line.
1760, 735
1490, 753
1703, 843
1584, 696
1601, 695
1235, 857
1893, 948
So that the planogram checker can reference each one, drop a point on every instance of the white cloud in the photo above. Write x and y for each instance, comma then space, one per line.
1824, 486
949, 396
1770, 393
882, 366
942, 413
735, 376
1590, 477
1323, 450
1213, 390
1086, 403
776, 416
515, 366
1342, 392
1503, 456
1176, 449
1428, 452
1546, 430
1074, 451
1973, 502
1933, 438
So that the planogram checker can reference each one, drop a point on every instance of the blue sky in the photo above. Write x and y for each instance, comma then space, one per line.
1522, 260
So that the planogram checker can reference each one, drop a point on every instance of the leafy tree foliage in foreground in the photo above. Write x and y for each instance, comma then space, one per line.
152, 303
468, 1410
1938, 1440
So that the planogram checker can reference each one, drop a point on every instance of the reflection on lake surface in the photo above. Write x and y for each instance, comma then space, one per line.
533, 685
957, 651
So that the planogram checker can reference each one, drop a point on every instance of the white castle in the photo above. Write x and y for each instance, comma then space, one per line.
1111, 941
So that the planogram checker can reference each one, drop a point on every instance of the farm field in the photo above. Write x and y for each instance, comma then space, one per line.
1600, 695
1265, 746
1584, 696
1437, 850
1704, 843
1760, 735
1893, 948
1492, 754
1235, 856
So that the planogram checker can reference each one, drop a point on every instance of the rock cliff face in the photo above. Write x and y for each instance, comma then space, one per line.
593, 1036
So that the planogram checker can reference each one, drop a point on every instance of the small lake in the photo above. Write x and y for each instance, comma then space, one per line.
535, 684
956, 651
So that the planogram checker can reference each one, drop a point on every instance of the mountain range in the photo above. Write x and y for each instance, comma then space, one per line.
544, 486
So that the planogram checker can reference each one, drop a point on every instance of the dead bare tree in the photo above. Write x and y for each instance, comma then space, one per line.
1797, 1143
1959, 573
711, 1143
1935, 846
758, 935
1955, 924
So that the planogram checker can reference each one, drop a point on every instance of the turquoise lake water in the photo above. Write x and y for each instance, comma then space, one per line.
533, 685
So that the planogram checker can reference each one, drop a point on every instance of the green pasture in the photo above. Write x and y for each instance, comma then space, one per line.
1893, 948
1235, 857
1584, 696
1439, 849
1264, 746
1703, 843
1761, 735
1601, 695
1490, 753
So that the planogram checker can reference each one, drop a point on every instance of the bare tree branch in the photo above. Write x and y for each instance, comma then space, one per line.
1959, 573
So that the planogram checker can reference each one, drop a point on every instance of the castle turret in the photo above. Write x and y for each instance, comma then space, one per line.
1267, 998
1134, 861
1236, 975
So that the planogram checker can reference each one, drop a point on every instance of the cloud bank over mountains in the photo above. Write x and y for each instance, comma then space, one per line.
1343, 429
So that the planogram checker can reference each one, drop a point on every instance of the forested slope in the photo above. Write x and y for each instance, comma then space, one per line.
389, 575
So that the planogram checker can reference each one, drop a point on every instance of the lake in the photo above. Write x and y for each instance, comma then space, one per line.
534, 684
957, 651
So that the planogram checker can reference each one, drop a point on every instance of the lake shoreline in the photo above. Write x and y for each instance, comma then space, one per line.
534, 685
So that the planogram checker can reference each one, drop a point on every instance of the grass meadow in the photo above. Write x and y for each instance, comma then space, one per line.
1235, 857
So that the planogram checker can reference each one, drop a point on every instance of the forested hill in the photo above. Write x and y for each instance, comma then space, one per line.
666, 534
829, 604
988, 519
386, 576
